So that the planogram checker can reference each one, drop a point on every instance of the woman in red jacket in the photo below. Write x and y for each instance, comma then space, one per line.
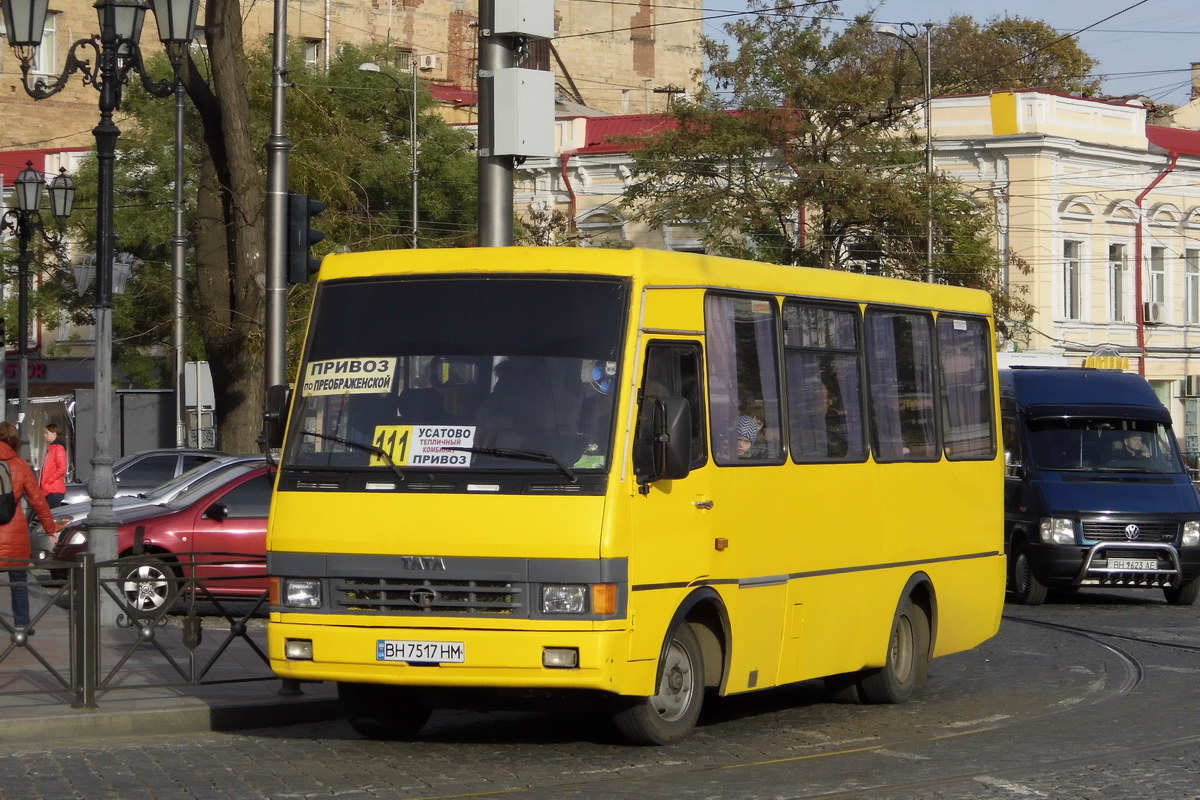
14, 534
54, 468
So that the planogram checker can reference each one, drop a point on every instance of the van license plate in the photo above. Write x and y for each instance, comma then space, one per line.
413, 652
1132, 563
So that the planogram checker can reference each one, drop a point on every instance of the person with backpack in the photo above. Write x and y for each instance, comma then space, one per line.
17, 482
54, 468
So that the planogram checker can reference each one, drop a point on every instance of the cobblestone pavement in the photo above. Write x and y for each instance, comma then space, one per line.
1043, 710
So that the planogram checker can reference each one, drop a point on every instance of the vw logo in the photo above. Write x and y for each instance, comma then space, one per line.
1132, 532
425, 598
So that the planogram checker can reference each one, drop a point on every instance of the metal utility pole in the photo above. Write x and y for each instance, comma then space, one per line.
412, 144
929, 152
495, 172
278, 147
178, 256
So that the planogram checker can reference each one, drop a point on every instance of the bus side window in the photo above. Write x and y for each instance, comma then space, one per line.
743, 380
674, 370
901, 369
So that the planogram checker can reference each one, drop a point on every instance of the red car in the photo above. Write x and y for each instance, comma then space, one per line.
224, 515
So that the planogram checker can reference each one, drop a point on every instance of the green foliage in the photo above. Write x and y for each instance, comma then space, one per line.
792, 154
349, 131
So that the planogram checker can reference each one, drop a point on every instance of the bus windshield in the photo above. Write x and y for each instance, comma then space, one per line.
1104, 445
497, 374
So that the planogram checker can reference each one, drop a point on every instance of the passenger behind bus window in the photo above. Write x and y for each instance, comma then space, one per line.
751, 442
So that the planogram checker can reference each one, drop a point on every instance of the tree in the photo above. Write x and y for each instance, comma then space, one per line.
350, 149
1008, 53
791, 154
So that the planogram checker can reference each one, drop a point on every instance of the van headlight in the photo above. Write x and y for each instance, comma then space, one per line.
73, 536
302, 592
1056, 530
1191, 533
565, 599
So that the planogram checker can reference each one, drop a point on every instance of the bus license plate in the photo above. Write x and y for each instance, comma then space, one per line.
1133, 563
420, 652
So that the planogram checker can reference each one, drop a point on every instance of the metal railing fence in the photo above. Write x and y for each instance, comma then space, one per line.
151, 647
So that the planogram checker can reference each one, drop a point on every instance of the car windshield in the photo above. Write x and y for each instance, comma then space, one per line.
1104, 445
211, 483
460, 374
162, 494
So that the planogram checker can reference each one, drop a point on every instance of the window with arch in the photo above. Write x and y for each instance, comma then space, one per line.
1072, 280
1116, 282
1191, 285
602, 229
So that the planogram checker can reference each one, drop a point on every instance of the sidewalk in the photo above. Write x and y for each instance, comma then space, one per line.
142, 693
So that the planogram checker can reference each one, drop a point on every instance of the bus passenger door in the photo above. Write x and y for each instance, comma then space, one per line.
672, 545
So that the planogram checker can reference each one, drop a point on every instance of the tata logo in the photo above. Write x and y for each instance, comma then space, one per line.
424, 563
1132, 532
423, 598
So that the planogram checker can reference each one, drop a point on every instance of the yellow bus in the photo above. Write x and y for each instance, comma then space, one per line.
629, 478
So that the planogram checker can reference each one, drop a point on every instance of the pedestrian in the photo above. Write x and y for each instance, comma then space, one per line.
14, 534
54, 468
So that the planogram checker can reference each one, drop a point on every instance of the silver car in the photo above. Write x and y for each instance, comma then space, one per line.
140, 472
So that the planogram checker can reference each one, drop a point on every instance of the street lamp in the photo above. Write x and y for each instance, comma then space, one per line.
117, 54
24, 220
906, 32
412, 130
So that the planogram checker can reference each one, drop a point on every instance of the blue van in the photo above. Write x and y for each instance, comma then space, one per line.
1095, 490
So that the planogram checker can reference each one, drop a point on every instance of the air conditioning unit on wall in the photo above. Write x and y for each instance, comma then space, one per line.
1153, 313
427, 62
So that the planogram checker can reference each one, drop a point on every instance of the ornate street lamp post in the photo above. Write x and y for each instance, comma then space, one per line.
117, 54
24, 220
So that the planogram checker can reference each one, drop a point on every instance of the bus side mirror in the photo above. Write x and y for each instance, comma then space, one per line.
663, 448
279, 398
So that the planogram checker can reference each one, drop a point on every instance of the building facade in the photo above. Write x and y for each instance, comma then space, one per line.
609, 55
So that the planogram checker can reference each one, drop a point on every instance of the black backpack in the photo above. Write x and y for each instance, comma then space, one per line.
8, 499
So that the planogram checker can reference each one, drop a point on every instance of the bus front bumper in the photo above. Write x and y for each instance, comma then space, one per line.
506, 659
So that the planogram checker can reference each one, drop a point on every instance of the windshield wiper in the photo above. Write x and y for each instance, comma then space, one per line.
369, 448
523, 455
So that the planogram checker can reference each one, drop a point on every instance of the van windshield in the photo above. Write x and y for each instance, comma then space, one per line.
434, 372
1104, 445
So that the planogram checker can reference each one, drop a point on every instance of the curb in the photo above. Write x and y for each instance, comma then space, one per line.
193, 717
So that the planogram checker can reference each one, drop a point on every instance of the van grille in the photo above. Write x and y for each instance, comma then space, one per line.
417, 596
1114, 531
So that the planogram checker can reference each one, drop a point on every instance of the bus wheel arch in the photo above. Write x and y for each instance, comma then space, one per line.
909, 647
694, 657
705, 612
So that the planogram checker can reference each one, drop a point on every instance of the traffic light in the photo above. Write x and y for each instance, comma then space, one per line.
300, 263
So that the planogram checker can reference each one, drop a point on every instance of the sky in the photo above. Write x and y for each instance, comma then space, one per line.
1147, 49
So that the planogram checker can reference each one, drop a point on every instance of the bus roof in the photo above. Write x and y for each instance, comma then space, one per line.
655, 268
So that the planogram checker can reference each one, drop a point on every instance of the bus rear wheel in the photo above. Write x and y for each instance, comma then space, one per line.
907, 659
668, 716
386, 713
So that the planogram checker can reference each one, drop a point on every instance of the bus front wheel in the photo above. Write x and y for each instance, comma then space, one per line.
668, 716
386, 713
1026, 588
1184, 595
907, 658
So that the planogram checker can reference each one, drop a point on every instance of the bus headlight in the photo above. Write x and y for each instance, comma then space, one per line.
1191, 533
566, 599
1055, 530
302, 592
